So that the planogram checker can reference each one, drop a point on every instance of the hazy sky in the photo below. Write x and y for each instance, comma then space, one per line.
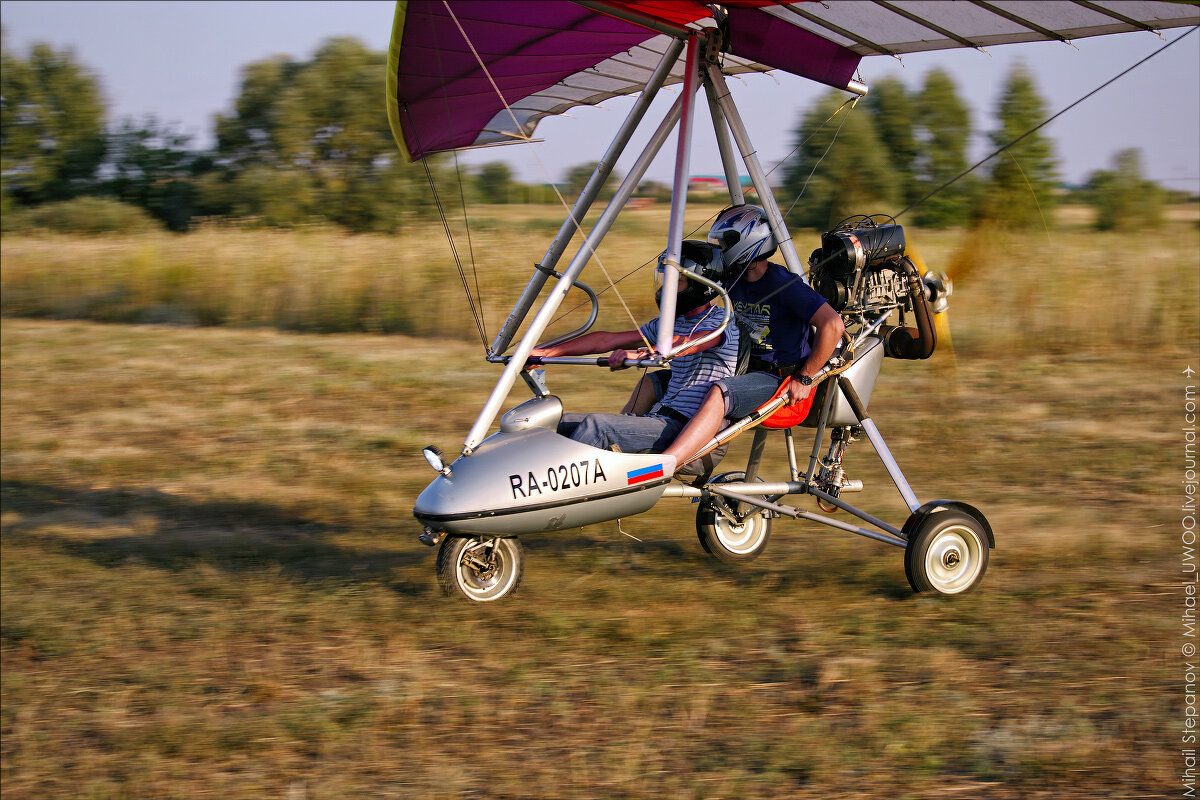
180, 61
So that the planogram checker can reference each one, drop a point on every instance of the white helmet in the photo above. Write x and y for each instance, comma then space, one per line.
744, 235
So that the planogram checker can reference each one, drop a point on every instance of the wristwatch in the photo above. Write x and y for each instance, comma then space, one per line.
805, 380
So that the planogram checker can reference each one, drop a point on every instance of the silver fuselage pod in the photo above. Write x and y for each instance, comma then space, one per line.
527, 478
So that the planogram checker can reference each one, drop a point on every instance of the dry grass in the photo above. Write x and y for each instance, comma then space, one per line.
1065, 290
319, 280
212, 586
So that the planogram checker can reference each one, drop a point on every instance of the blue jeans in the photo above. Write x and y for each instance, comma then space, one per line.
632, 434
744, 393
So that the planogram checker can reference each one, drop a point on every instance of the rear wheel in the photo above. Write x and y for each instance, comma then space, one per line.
481, 570
947, 554
727, 540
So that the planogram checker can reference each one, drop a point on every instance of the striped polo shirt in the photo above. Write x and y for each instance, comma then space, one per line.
693, 374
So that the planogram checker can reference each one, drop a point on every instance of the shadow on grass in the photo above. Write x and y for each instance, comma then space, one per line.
235, 536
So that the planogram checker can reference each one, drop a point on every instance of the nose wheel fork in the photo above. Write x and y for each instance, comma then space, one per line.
482, 569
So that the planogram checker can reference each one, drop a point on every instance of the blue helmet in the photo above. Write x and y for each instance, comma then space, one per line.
744, 235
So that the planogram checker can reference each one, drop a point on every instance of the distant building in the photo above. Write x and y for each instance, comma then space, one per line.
715, 184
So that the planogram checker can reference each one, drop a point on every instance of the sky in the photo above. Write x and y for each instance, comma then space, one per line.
180, 62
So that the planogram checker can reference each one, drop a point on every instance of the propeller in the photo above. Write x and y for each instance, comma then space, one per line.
939, 286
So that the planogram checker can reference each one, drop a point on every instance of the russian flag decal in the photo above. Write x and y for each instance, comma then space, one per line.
644, 474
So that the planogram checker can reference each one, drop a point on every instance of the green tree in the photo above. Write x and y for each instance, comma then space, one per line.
52, 120
150, 165
578, 175
1020, 191
854, 177
251, 134
943, 133
894, 113
1124, 200
495, 182
309, 140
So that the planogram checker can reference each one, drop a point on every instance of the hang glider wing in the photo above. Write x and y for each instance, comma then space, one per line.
545, 56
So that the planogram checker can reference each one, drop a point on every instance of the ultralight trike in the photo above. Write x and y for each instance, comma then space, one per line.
526, 478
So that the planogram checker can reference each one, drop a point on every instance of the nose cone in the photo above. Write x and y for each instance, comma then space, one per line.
535, 480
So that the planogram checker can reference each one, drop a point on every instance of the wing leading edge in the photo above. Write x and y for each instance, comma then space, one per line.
546, 56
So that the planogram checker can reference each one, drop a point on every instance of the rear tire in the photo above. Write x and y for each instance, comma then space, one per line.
947, 554
480, 570
726, 540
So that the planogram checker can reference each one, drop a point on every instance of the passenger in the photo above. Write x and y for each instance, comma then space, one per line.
795, 330
693, 370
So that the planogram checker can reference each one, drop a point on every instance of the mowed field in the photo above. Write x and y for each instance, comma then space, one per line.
212, 584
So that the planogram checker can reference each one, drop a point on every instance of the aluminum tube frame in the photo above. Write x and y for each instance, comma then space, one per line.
757, 176
864, 516
761, 487
754, 460
743, 490
896, 541
789, 511
822, 421
588, 196
582, 329
683, 150
592, 361
889, 463
733, 178
789, 446
545, 314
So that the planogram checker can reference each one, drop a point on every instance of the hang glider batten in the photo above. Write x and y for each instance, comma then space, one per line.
547, 56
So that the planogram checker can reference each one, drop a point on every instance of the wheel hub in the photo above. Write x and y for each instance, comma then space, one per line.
954, 559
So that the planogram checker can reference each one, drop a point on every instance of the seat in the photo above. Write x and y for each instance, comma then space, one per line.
788, 416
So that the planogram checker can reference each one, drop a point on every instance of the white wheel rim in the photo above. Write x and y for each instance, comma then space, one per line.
493, 585
954, 559
741, 539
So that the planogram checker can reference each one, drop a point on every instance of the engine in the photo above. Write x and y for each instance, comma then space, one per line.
858, 264
861, 270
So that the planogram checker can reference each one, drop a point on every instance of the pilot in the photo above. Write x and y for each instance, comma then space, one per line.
794, 330
693, 368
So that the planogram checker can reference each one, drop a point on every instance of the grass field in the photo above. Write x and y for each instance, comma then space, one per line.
1059, 290
212, 587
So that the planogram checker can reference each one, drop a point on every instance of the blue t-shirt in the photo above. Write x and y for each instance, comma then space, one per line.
777, 309
693, 374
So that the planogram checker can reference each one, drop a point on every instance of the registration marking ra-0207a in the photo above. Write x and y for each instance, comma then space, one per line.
557, 478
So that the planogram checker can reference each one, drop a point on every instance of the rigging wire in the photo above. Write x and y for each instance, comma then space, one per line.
470, 246
851, 102
462, 275
1033, 194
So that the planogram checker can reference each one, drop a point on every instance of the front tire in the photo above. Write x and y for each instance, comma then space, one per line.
480, 570
726, 540
947, 554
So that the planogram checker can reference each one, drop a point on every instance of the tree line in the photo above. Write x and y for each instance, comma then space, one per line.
306, 140
910, 149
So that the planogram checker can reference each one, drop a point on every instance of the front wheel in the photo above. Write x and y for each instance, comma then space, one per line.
947, 554
481, 570
729, 541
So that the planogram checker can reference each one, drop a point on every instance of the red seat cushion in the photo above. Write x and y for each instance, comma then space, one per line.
788, 416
